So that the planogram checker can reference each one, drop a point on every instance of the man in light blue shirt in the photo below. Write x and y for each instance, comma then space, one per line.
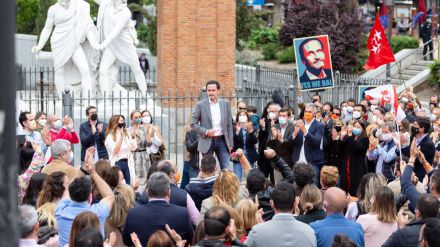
76, 199
335, 223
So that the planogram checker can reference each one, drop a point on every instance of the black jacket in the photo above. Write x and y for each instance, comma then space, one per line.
428, 149
191, 143
144, 220
407, 236
264, 203
200, 189
284, 169
312, 216
178, 197
217, 243
251, 140
89, 140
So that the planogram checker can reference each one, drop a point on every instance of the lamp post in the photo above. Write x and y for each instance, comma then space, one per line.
390, 5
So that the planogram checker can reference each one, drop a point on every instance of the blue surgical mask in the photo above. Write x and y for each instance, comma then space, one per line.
57, 124
357, 131
282, 120
138, 121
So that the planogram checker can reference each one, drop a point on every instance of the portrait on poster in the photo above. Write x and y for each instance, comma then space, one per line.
313, 62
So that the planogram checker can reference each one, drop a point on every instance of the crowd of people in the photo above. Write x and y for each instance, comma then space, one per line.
315, 174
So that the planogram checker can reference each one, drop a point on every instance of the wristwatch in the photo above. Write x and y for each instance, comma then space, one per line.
84, 171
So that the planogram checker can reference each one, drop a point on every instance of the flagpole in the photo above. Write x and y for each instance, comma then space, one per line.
400, 74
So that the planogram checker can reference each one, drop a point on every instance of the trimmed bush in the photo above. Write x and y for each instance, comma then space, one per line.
401, 42
270, 51
286, 55
434, 74
262, 36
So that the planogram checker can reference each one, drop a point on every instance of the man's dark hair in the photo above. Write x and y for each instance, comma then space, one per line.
362, 107
329, 104
216, 220
431, 232
283, 197
213, 83
303, 174
89, 108
428, 206
158, 185
80, 189
23, 117
208, 164
165, 166
255, 181
380, 109
251, 108
342, 241
351, 100
435, 181
285, 109
301, 49
425, 123
89, 237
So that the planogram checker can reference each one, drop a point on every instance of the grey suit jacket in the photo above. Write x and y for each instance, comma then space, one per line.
201, 122
282, 230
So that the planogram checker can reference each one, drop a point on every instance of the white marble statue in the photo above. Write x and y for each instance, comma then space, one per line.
118, 41
72, 27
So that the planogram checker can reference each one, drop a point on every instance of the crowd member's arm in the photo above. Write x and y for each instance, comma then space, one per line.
405, 180
193, 212
103, 188
35, 167
373, 153
246, 167
284, 169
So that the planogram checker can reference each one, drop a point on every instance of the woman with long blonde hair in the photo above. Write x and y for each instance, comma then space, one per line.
124, 201
119, 146
381, 221
250, 215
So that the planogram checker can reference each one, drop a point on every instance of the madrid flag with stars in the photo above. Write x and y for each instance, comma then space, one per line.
380, 50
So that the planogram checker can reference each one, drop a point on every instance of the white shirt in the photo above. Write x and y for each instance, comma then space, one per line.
302, 154
216, 118
283, 130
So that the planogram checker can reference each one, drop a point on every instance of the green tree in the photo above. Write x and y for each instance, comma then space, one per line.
26, 15
245, 21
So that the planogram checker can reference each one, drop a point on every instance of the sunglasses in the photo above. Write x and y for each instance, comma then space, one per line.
242, 108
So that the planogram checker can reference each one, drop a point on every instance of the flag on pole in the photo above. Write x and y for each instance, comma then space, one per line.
380, 50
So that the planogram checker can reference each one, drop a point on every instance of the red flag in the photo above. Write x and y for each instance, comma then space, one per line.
380, 50
422, 8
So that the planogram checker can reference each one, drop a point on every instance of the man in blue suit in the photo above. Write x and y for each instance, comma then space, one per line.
144, 220
92, 133
307, 141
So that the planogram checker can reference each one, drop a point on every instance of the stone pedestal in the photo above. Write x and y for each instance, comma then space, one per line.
196, 43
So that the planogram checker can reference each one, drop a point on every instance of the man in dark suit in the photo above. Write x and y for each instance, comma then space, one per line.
313, 57
307, 141
278, 141
144, 220
420, 132
92, 133
212, 120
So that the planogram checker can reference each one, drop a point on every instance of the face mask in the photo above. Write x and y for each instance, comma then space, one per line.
338, 128
292, 120
349, 109
372, 108
374, 118
32, 125
146, 120
57, 124
94, 117
356, 115
433, 117
414, 130
242, 119
272, 115
404, 100
357, 131
282, 120
334, 116
42, 122
138, 121
308, 116
121, 125
387, 137
344, 110
70, 157
379, 134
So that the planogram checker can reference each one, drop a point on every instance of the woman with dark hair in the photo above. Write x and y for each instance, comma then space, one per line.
120, 144
41, 119
356, 142
31, 160
155, 144
35, 185
85, 220
245, 138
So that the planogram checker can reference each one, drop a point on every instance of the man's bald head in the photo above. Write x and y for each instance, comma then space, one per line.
166, 166
335, 200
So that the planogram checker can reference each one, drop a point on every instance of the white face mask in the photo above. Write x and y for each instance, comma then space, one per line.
70, 159
146, 120
373, 107
282, 120
272, 115
57, 124
404, 100
292, 120
42, 122
356, 115
344, 110
374, 118
349, 109
387, 137
433, 117
242, 119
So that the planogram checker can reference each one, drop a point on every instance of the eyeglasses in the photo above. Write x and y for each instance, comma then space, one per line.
337, 114
242, 108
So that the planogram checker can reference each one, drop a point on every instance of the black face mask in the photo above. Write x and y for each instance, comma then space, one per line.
414, 130
94, 117
121, 125
338, 128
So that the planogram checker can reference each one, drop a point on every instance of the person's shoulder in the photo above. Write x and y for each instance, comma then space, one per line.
304, 227
102, 209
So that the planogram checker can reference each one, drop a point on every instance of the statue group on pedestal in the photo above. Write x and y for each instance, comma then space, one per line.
76, 39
